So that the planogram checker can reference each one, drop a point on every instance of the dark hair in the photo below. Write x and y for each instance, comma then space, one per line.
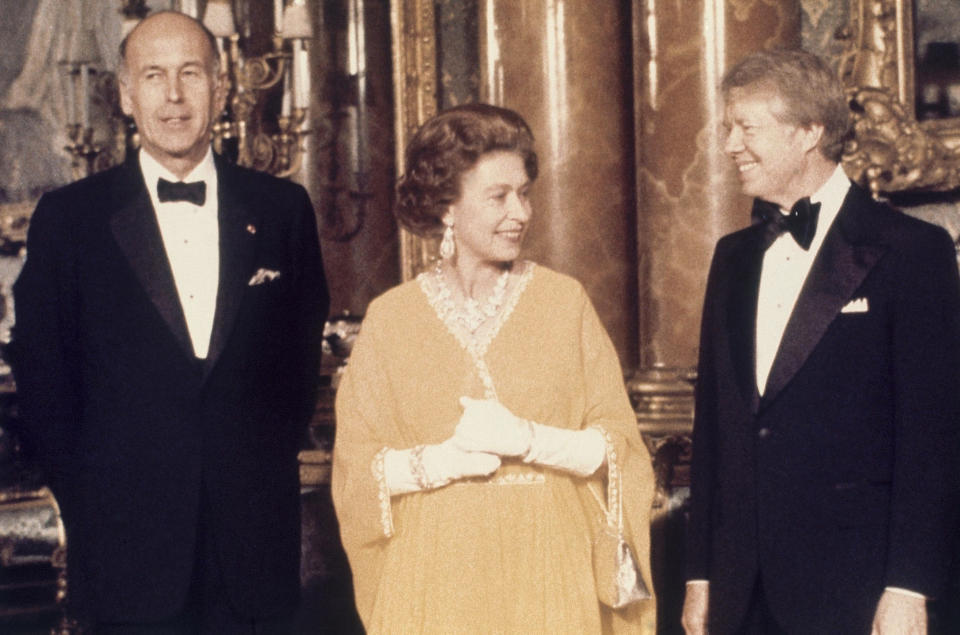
808, 87
445, 147
211, 39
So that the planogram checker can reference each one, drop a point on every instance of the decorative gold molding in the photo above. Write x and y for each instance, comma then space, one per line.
415, 101
663, 401
891, 151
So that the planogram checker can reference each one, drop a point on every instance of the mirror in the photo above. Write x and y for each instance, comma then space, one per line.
891, 150
937, 59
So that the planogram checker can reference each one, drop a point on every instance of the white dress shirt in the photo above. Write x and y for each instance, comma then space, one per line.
785, 267
191, 238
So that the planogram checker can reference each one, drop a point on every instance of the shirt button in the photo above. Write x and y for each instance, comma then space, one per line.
763, 433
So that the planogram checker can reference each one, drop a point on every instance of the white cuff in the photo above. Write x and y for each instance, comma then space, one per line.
397, 472
908, 592
577, 451
426, 467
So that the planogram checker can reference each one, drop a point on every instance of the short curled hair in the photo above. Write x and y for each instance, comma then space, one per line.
445, 147
808, 87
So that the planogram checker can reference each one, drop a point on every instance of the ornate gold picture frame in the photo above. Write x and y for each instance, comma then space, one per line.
892, 151
415, 101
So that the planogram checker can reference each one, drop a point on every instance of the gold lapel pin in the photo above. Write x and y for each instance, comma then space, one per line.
251, 229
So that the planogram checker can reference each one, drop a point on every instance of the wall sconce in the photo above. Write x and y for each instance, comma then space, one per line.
87, 79
80, 65
281, 152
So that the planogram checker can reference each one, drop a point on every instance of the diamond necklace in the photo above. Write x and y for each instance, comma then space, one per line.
471, 315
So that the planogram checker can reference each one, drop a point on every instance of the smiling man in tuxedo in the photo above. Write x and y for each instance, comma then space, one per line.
824, 482
166, 348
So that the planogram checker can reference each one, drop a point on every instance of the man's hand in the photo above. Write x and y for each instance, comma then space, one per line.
695, 608
899, 614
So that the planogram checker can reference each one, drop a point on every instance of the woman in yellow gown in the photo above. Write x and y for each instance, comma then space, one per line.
480, 403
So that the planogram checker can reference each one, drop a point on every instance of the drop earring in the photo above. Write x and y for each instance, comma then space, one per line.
447, 246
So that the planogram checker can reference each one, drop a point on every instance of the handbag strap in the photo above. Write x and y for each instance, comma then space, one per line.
613, 508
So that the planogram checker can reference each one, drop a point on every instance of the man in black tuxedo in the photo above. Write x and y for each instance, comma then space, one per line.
828, 396
166, 352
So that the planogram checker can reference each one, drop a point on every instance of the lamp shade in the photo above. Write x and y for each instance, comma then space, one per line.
296, 21
83, 48
127, 26
219, 18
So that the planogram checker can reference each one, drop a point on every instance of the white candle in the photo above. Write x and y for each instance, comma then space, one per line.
277, 15
352, 55
71, 108
301, 77
285, 105
84, 98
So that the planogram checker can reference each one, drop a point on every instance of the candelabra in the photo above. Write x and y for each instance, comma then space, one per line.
85, 81
86, 156
81, 81
279, 152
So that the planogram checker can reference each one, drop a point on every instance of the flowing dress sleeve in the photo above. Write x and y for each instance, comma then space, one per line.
608, 407
360, 495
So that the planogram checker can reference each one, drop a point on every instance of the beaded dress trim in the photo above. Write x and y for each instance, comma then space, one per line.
610, 507
476, 344
383, 493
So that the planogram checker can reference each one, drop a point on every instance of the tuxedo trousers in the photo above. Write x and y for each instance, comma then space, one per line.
759, 619
208, 609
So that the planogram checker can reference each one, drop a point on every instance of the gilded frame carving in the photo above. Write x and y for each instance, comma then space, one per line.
415, 100
892, 151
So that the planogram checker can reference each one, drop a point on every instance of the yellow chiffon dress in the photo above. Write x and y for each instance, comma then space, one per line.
509, 553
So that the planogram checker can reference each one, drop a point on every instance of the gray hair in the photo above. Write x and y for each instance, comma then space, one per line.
810, 90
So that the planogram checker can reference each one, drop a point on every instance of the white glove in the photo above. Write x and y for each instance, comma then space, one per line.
578, 451
487, 426
442, 463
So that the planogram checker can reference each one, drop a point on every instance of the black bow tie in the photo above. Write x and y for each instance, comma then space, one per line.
801, 222
195, 193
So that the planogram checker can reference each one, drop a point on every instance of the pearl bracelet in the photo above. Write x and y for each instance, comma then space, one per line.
533, 439
417, 469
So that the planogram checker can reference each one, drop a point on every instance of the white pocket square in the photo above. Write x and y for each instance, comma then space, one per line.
857, 305
263, 275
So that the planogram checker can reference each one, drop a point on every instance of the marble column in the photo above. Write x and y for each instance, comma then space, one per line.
349, 157
687, 191
565, 66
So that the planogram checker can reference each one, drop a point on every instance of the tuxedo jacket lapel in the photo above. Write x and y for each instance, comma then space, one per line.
848, 253
744, 284
238, 229
134, 227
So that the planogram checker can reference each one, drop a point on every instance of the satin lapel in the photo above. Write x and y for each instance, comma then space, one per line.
744, 284
837, 272
237, 226
134, 227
